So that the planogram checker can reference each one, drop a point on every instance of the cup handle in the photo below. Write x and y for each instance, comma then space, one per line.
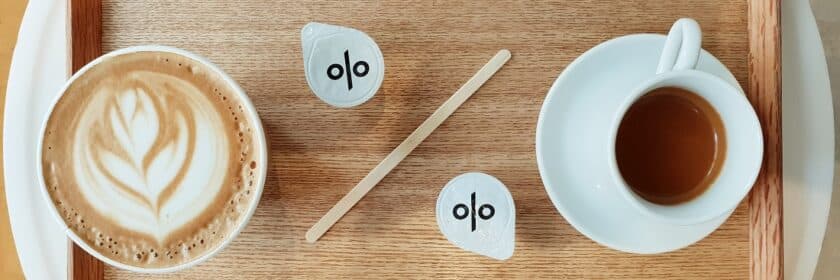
682, 47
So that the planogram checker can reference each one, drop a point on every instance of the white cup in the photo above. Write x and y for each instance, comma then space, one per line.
744, 140
261, 159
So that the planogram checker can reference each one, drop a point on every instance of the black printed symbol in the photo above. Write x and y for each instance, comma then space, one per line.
336, 71
485, 211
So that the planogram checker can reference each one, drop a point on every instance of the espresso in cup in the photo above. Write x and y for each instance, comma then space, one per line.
153, 158
670, 146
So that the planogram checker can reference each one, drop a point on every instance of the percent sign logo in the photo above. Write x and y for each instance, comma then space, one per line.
336, 71
461, 211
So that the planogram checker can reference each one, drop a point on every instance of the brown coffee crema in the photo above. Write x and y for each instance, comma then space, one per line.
150, 158
670, 146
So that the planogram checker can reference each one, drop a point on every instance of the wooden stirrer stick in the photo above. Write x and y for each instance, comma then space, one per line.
398, 154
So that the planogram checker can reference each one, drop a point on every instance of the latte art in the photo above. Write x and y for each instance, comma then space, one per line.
151, 159
136, 149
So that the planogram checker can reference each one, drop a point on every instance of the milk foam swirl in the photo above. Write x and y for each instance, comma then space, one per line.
149, 151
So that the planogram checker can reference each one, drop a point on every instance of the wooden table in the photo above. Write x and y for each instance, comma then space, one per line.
430, 48
10, 17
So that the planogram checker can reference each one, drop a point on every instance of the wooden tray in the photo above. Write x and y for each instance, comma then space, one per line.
431, 48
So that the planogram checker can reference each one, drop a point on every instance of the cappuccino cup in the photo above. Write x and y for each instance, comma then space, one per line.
152, 158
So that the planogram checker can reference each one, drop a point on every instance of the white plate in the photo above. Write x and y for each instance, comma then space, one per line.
39, 69
585, 199
807, 140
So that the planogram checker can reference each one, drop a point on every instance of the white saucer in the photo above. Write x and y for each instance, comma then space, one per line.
572, 168
40, 67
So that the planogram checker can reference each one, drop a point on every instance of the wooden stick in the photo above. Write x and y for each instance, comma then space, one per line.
764, 91
398, 154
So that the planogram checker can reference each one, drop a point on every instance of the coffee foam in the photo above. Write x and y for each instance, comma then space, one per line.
150, 159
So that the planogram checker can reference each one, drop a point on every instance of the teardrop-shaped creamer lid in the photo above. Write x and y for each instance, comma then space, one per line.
344, 66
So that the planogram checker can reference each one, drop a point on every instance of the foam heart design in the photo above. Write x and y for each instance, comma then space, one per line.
152, 146
150, 151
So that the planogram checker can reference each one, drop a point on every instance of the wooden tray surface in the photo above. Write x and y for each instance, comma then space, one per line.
430, 48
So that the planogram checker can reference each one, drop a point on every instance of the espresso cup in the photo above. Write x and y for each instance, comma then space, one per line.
743, 141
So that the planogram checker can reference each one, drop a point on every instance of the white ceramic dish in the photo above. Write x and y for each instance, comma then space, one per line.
807, 140
39, 68
570, 165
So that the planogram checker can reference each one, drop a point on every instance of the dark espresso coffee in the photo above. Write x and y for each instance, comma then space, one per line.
670, 146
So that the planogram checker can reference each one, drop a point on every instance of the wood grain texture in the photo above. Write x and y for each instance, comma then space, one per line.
430, 48
764, 91
85, 45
